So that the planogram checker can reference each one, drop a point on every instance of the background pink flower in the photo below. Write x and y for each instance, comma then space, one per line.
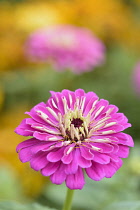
66, 47
74, 132
136, 78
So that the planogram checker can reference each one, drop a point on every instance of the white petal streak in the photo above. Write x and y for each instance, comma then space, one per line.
70, 98
101, 120
46, 130
109, 111
99, 126
94, 103
110, 124
65, 105
65, 143
95, 148
93, 107
76, 105
45, 117
52, 112
53, 103
82, 103
69, 150
101, 140
107, 132
99, 111
55, 139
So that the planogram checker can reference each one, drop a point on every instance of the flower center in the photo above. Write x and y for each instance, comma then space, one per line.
74, 126
77, 122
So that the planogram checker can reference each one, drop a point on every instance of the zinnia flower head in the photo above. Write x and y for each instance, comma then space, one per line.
136, 78
66, 47
73, 133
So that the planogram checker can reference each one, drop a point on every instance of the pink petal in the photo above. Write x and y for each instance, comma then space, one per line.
42, 146
114, 157
59, 175
101, 158
67, 94
79, 93
90, 95
101, 103
86, 153
89, 105
96, 171
30, 121
123, 151
52, 104
41, 136
25, 154
45, 136
67, 158
105, 147
116, 128
60, 104
114, 109
72, 167
111, 168
38, 161
122, 119
124, 139
75, 181
49, 129
56, 155
45, 111
33, 113
27, 143
82, 162
24, 129
50, 168
115, 148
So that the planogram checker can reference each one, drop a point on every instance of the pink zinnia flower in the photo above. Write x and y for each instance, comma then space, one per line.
73, 133
136, 78
66, 47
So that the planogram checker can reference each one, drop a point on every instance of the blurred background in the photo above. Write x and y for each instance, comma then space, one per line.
24, 83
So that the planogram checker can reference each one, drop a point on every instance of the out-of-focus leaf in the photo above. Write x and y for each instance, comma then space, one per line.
10, 205
1, 97
128, 205
8, 182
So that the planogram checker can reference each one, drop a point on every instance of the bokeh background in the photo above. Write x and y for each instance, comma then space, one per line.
24, 83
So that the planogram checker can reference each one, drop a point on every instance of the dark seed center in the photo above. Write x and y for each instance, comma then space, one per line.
77, 122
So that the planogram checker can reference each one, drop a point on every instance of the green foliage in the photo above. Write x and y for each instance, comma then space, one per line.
124, 205
8, 182
9, 205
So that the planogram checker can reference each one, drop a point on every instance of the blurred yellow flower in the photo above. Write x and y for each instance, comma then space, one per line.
30, 16
11, 54
112, 20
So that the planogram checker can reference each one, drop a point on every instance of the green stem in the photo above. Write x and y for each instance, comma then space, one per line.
68, 200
